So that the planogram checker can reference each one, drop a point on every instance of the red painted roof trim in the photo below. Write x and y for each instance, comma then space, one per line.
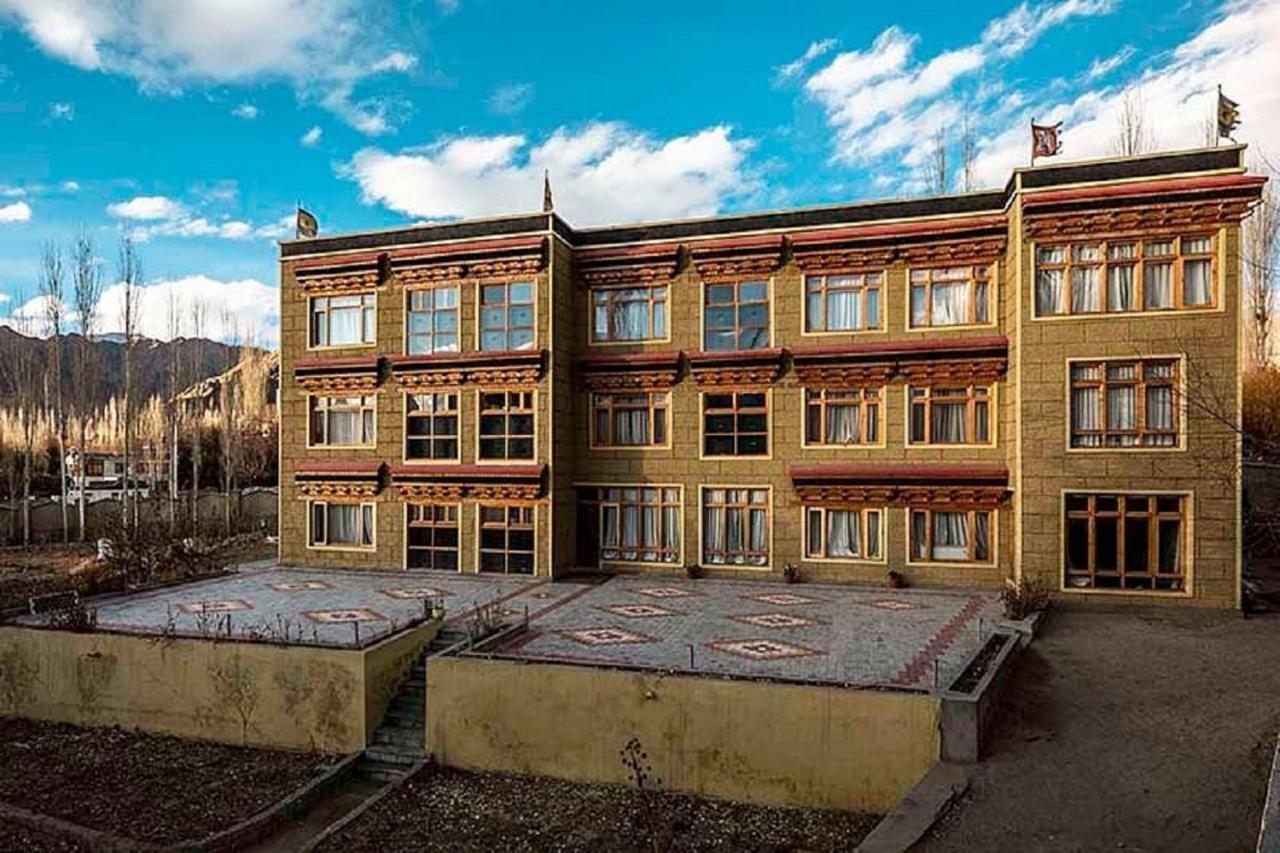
635, 361
733, 244
710, 358
897, 229
444, 359
344, 364
1211, 183
469, 472
619, 253
902, 473
471, 247
886, 349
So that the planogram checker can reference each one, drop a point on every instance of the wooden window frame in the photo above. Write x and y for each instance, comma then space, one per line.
867, 420
736, 411
972, 398
507, 305
865, 283
453, 396
1140, 384
744, 506
431, 312
993, 520
738, 304
433, 524
658, 294
658, 402
506, 413
1180, 581
864, 514
320, 306
605, 500
324, 544
1178, 260
526, 518
978, 274
369, 403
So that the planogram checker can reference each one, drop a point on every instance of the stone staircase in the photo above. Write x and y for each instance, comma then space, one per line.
399, 743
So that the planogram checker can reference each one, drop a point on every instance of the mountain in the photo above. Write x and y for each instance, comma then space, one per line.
151, 360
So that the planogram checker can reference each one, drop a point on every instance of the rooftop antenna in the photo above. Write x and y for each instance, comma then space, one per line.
548, 204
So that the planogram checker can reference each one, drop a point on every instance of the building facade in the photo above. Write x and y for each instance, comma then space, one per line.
1035, 382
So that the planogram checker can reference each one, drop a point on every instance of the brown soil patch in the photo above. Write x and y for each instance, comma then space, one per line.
37, 570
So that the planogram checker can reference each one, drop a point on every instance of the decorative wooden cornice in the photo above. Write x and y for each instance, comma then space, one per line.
967, 372
344, 375
832, 261
941, 485
486, 260
338, 283
432, 482
736, 368
972, 239
1137, 221
627, 264
737, 258
845, 374
337, 479
510, 368
960, 252
635, 372
874, 364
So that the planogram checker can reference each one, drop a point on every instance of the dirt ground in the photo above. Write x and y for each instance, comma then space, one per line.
140, 786
25, 572
1128, 729
448, 810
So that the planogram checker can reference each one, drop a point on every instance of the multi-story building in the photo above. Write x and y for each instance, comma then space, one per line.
1034, 382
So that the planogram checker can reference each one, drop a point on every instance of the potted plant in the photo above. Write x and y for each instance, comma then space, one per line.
790, 573
693, 571
895, 580
437, 609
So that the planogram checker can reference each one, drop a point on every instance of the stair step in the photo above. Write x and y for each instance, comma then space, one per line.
395, 737
381, 770
397, 755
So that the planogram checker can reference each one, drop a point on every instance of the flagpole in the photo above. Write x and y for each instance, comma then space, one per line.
1217, 122
297, 232
1033, 142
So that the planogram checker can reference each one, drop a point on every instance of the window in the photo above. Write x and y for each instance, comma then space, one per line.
506, 425
344, 321
735, 527
1126, 542
629, 420
433, 536
506, 316
950, 536
629, 314
842, 534
433, 321
737, 316
1124, 403
842, 303
735, 423
640, 524
1120, 276
950, 415
950, 296
342, 421
431, 426
506, 539
841, 416
341, 525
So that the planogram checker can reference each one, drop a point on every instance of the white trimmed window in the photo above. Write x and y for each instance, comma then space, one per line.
841, 417
639, 524
343, 421
344, 321
433, 320
951, 536
950, 296
341, 525
842, 303
842, 534
735, 527
1126, 542
959, 415
1124, 403
506, 316
1122, 276
628, 313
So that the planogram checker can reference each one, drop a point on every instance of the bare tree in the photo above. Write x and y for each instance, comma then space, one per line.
227, 422
53, 291
174, 408
968, 149
1261, 257
86, 281
25, 379
197, 420
130, 272
1132, 134
936, 165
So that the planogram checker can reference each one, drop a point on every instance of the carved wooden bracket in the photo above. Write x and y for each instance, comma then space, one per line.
835, 261
420, 276
740, 368
364, 383
339, 283
847, 375
469, 482
977, 371
641, 371
630, 381
628, 265
337, 478
512, 368
1139, 221
737, 259
470, 492
337, 489
957, 252
923, 497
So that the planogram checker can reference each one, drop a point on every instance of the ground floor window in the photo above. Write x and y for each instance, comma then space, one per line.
1126, 542
735, 527
842, 534
507, 539
950, 536
433, 536
639, 524
341, 525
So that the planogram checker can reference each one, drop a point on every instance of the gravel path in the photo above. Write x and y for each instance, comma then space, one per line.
1128, 729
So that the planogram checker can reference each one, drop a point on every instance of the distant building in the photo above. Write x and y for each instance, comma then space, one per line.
104, 473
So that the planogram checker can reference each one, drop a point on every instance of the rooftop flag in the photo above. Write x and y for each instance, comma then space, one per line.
1046, 140
1228, 115
307, 225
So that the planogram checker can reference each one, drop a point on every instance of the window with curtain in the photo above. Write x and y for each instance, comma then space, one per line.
840, 417
640, 524
1125, 542
1124, 403
1119, 276
842, 534
842, 303
506, 425
433, 536
735, 527
507, 539
506, 316
736, 316
629, 420
941, 415
735, 423
342, 421
344, 321
341, 525
432, 324
950, 296
431, 426
629, 313
950, 536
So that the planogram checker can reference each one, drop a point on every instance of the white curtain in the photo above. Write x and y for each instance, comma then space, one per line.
843, 534
630, 319
759, 541
873, 534
950, 304
609, 526
344, 326
1086, 406
919, 535
366, 529
981, 536
1085, 293
1120, 288
842, 425
631, 426
950, 536
844, 310
1196, 283
1049, 292
813, 517
918, 312
1160, 413
1122, 412
671, 531
948, 423
343, 524
630, 526
1157, 286
344, 427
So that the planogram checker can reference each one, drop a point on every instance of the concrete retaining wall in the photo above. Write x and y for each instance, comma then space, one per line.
753, 741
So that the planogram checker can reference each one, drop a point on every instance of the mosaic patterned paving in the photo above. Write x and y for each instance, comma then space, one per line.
664, 592
300, 586
762, 649
417, 593
231, 606
331, 617
637, 611
774, 620
605, 636
782, 598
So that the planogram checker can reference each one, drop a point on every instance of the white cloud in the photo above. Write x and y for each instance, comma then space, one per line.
603, 173
1102, 66
796, 67
324, 48
4, 297
12, 192
19, 211
62, 111
69, 186
146, 207
233, 309
312, 136
245, 111
510, 100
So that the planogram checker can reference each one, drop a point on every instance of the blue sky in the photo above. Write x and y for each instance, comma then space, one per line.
195, 125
